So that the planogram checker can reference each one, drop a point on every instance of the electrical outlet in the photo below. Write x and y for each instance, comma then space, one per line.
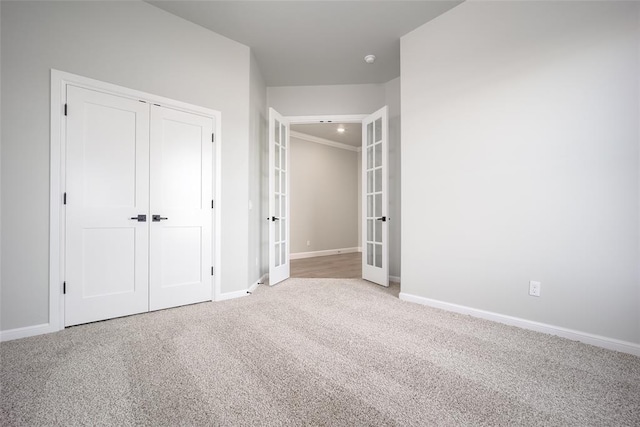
534, 288
308, 242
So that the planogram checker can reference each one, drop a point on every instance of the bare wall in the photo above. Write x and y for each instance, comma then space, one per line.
331, 99
520, 161
324, 197
392, 99
258, 231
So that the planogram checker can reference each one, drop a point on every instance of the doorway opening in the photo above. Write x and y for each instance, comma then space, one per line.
326, 185
371, 204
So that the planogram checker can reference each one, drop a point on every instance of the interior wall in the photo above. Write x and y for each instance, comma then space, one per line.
325, 100
324, 197
520, 161
258, 124
132, 44
392, 100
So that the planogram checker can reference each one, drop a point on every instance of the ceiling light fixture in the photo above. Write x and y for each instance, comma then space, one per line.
369, 59
341, 130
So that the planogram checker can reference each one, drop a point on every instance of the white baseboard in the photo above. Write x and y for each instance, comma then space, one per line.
231, 295
596, 340
300, 255
28, 331
395, 279
258, 282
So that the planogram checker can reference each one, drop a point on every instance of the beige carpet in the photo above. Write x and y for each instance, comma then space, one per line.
313, 352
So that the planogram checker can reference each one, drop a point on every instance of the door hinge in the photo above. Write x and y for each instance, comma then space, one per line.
212, 271
64, 199
65, 109
213, 137
64, 288
212, 204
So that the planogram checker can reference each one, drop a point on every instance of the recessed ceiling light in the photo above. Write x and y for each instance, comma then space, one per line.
369, 59
341, 130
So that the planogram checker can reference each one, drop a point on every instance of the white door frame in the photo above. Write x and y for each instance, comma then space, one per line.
331, 118
57, 184
335, 118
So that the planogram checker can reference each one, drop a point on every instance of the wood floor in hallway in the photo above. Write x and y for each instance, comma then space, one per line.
343, 266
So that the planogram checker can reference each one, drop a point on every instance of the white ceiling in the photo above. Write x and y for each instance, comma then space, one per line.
351, 136
315, 42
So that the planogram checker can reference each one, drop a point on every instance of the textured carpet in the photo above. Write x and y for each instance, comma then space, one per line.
313, 352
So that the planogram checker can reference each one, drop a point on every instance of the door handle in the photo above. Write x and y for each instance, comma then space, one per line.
157, 218
382, 218
140, 218
273, 218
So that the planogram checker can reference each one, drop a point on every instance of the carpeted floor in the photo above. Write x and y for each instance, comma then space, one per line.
313, 352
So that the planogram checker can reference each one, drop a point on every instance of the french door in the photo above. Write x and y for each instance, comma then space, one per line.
138, 207
278, 198
375, 224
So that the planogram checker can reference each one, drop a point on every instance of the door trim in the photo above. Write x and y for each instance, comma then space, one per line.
338, 118
59, 82
312, 119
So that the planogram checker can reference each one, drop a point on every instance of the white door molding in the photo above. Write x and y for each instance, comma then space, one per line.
334, 118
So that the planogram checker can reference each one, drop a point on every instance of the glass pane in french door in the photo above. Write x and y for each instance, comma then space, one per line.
375, 227
374, 194
280, 188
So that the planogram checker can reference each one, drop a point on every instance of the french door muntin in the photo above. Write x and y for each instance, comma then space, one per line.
375, 205
278, 219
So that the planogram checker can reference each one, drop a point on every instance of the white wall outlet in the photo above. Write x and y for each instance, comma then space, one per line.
534, 288
308, 242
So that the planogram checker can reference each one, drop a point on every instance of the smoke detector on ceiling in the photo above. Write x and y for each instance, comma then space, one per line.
369, 59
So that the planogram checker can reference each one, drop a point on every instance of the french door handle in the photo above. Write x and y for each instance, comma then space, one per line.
273, 218
140, 218
382, 218
157, 218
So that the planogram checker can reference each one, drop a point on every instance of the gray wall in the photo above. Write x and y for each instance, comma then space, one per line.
131, 44
257, 142
324, 197
352, 99
392, 99
520, 161
332, 99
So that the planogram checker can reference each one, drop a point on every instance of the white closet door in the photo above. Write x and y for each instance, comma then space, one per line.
375, 205
107, 181
279, 267
181, 163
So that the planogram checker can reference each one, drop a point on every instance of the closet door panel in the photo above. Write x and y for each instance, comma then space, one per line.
180, 253
107, 180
